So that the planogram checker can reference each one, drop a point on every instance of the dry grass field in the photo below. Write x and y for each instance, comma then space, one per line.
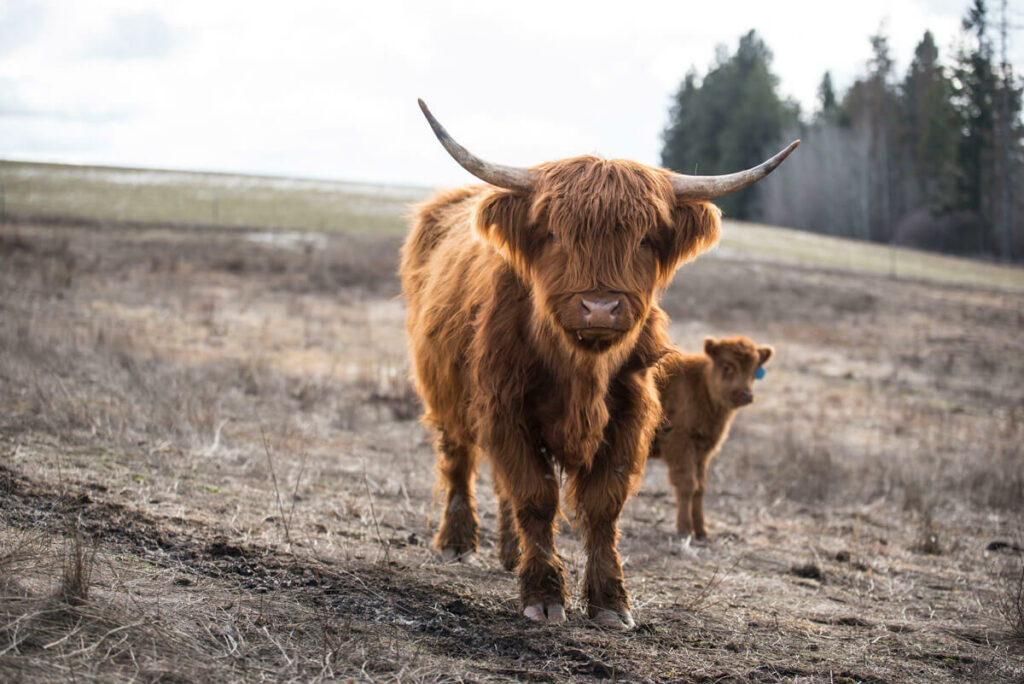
211, 470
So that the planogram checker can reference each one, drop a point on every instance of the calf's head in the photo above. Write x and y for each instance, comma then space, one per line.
735, 361
594, 240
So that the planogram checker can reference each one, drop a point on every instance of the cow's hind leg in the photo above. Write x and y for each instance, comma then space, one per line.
456, 466
508, 535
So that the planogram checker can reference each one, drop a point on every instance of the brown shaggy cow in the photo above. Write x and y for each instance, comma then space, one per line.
533, 325
700, 394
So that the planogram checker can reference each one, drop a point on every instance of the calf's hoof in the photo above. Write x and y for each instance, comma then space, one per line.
553, 613
621, 619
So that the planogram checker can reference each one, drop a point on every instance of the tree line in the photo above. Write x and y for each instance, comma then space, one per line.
929, 159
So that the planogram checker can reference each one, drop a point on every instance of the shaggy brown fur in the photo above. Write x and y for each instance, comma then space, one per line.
700, 394
505, 362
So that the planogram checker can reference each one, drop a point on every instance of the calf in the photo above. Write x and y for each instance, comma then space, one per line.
700, 394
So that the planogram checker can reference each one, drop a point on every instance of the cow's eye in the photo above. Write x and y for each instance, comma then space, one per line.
647, 243
551, 235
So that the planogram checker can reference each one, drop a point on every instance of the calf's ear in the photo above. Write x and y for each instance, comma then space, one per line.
695, 229
502, 220
709, 346
765, 353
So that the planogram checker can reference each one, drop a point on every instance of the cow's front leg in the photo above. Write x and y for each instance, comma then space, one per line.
599, 496
531, 489
599, 493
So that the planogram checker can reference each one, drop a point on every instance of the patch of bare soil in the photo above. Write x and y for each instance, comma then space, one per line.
210, 470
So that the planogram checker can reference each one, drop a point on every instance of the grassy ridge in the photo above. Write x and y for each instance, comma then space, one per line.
188, 198
825, 251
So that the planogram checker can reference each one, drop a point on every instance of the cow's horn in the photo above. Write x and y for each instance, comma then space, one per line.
510, 177
710, 187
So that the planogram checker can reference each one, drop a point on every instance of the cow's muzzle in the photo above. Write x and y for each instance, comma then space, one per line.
600, 312
742, 397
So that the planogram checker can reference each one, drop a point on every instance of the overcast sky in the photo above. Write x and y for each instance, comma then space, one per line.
328, 89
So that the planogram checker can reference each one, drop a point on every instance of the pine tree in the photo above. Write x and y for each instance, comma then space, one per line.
928, 132
729, 121
975, 100
827, 99
870, 107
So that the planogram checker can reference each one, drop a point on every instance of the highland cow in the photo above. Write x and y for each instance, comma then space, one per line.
533, 327
700, 394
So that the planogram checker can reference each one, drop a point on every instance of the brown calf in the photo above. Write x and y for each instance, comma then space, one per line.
700, 394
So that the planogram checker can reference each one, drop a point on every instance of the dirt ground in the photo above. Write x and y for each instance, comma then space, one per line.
211, 470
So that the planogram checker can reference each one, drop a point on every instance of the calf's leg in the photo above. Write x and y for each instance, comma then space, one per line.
682, 475
697, 512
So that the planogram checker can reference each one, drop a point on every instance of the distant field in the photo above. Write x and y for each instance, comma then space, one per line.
33, 190
811, 249
150, 196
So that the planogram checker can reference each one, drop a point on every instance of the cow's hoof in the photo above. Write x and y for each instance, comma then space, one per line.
555, 613
622, 619
450, 555
509, 556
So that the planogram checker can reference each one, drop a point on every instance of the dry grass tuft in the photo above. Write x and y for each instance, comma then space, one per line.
78, 561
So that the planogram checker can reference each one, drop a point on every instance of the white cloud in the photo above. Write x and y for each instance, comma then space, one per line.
325, 88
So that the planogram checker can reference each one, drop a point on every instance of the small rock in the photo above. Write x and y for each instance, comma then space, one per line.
1000, 545
808, 571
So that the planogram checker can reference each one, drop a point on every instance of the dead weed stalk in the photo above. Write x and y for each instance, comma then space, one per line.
373, 513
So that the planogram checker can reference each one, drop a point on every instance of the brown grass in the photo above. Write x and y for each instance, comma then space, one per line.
1010, 601
154, 385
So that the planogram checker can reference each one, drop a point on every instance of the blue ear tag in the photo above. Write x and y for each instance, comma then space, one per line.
759, 373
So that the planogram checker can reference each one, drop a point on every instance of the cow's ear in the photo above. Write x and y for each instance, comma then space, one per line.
695, 229
502, 221
709, 346
765, 353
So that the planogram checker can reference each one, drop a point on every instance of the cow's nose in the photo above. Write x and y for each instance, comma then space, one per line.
600, 313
